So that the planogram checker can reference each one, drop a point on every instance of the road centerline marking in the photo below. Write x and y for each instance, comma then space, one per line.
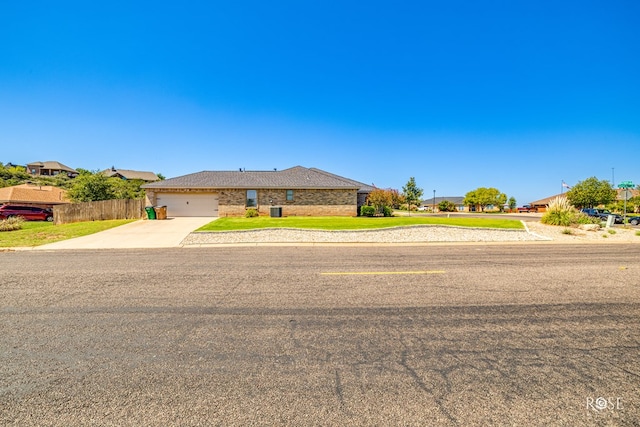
380, 273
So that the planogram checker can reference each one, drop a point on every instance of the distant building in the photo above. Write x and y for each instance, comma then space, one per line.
432, 204
131, 174
50, 168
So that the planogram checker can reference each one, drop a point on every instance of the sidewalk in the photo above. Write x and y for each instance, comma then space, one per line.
167, 233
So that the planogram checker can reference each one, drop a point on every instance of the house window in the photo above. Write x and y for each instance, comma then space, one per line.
252, 198
289, 195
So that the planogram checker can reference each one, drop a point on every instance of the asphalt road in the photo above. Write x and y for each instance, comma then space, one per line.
458, 335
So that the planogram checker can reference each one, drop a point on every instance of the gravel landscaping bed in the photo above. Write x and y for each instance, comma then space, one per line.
414, 234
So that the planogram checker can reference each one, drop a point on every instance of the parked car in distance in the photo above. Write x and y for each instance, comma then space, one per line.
29, 213
527, 208
603, 214
634, 220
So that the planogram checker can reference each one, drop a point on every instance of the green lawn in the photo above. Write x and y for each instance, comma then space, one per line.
36, 233
352, 223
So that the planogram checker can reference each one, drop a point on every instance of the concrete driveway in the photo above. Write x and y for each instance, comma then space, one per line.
140, 234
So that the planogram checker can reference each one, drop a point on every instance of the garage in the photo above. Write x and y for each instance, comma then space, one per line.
185, 204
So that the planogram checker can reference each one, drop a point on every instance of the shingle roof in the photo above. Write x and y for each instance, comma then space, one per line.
297, 177
53, 165
546, 200
456, 200
362, 187
27, 193
130, 174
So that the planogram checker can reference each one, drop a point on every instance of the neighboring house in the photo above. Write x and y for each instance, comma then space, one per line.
50, 168
432, 204
541, 205
42, 196
129, 174
298, 190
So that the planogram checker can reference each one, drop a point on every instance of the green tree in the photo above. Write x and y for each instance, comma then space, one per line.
14, 175
412, 193
126, 188
91, 187
446, 206
591, 192
482, 197
512, 203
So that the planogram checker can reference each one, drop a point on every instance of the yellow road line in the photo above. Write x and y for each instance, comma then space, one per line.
357, 273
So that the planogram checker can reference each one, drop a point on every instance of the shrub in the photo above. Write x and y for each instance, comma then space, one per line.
367, 210
387, 211
581, 218
611, 231
560, 212
11, 224
251, 213
446, 206
567, 231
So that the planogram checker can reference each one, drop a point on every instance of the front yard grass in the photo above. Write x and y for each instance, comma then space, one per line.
36, 233
352, 223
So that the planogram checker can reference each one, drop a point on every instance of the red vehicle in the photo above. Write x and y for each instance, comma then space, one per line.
527, 208
29, 213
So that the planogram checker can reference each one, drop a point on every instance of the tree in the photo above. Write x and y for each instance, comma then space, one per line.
126, 188
446, 206
482, 197
396, 198
379, 198
512, 203
91, 187
412, 194
591, 192
13, 175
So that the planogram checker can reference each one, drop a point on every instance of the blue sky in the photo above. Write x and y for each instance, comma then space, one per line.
458, 94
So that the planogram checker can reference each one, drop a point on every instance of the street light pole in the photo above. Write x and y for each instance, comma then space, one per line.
434, 201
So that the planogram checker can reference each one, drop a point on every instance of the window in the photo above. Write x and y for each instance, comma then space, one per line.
289, 195
252, 198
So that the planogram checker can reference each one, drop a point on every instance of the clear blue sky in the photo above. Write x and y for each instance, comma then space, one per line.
517, 95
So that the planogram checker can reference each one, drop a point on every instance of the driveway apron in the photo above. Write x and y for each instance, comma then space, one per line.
167, 233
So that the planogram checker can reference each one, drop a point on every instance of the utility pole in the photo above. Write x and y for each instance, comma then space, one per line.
613, 180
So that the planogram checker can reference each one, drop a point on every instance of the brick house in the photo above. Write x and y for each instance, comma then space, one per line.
50, 168
298, 190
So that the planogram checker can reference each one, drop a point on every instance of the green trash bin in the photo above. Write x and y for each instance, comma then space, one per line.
151, 213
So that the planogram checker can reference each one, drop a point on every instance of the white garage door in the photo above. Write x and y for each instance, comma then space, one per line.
189, 204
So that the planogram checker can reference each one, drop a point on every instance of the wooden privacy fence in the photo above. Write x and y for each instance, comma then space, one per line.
98, 211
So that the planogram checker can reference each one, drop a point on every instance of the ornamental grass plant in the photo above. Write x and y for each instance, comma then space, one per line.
11, 224
561, 212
